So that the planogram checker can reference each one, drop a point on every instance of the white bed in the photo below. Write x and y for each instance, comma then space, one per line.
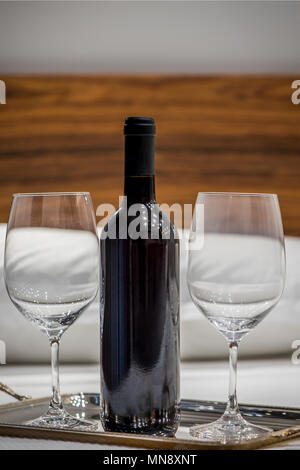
199, 339
266, 372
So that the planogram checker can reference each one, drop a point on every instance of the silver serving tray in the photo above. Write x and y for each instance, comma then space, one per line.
284, 421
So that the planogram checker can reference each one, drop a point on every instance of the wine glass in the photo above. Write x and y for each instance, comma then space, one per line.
51, 272
236, 273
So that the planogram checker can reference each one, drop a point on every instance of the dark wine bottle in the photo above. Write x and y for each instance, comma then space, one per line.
140, 301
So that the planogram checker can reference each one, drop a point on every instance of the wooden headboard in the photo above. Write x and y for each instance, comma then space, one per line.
214, 134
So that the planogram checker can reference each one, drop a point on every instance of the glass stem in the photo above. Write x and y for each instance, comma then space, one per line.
232, 404
56, 401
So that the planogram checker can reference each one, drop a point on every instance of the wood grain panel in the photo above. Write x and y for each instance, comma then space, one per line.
214, 134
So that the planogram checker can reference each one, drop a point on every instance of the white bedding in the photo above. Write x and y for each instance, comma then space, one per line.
199, 340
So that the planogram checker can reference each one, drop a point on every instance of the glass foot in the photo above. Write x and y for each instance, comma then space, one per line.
63, 420
229, 429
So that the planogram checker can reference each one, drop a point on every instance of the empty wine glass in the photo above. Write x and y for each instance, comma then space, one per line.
51, 273
236, 272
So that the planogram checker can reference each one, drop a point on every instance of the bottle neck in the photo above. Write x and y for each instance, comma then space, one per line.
139, 189
139, 185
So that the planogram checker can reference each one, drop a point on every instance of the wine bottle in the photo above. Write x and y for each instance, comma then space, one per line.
140, 301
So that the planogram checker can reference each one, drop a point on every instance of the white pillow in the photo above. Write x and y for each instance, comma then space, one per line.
25, 343
273, 336
199, 339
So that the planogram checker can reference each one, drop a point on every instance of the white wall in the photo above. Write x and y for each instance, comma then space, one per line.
186, 37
